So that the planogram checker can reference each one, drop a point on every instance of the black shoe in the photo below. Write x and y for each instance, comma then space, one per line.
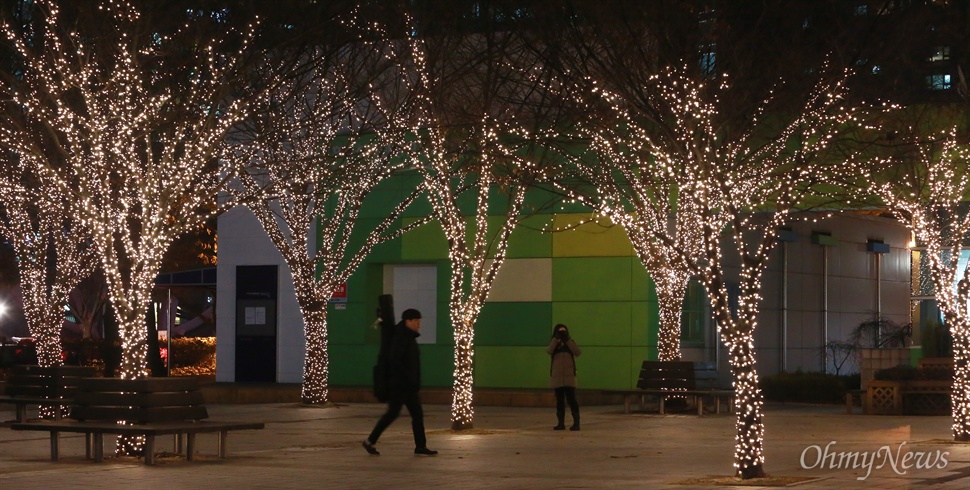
425, 451
370, 448
574, 427
559, 427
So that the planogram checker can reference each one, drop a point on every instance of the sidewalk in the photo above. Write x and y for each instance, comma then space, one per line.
510, 448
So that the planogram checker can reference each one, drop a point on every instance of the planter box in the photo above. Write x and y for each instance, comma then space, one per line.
915, 397
872, 360
927, 397
884, 398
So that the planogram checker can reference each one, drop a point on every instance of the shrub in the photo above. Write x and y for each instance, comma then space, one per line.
808, 387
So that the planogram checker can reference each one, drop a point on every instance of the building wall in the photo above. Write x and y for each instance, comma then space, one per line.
587, 278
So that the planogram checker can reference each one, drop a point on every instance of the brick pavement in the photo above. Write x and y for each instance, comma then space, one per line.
510, 448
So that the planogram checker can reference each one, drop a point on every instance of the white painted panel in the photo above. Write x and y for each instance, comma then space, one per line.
415, 286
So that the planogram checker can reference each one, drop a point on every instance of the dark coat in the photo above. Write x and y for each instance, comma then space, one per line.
404, 361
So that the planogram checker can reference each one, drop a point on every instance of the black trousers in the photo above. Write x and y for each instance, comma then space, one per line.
413, 402
566, 394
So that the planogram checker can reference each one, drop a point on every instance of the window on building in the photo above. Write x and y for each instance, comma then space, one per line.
693, 316
938, 82
708, 59
940, 53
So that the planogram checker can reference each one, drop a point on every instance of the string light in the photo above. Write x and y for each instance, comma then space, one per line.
309, 160
35, 221
455, 160
135, 135
928, 197
684, 191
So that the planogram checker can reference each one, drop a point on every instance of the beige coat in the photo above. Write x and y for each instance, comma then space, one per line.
563, 372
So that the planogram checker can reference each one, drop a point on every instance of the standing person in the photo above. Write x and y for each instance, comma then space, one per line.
564, 352
404, 382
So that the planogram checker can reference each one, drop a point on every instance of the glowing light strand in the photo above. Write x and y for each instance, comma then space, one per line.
136, 141
928, 196
733, 191
322, 147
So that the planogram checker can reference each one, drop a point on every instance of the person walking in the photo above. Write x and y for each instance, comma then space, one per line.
403, 384
562, 374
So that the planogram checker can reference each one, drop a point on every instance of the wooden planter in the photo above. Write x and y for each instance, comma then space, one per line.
872, 360
914, 397
884, 398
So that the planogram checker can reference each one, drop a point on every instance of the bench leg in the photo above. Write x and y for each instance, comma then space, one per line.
717, 405
178, 443
21, 416
55, 450
626, 403
98, 444
150, 449
662, 398
189, 445
699, 400
223, 436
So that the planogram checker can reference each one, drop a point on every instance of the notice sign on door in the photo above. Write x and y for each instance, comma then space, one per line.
340, 294
255, 315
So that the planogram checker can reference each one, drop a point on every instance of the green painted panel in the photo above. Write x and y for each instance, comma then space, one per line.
380, 202
348, 326
508, 324
426, 242
418, 209
643, 287
593, 239
605, 368
352, 365
512, 367
382, 252
545, 202
437, 366
644, 324
591, 279
599, 323
528, 240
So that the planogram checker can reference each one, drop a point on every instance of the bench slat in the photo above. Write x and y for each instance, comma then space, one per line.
139, 414
145, 385
87, 398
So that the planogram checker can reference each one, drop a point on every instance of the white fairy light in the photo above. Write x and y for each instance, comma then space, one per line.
307, 168
927, 194
128, 132
684, 190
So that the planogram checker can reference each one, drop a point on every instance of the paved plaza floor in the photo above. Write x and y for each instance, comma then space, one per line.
512, 448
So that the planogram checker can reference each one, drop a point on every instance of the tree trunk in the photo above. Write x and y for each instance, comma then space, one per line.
960, 399
748, 402
463, 323
462, 415
316, 364
670, 299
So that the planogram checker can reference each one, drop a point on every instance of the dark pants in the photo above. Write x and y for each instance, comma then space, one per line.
566, 394
413, 402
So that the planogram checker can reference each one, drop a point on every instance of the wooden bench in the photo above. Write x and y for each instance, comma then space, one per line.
665, 379
52, 387
150, 407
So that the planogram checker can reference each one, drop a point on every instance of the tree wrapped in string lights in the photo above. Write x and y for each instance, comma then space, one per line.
126, 122
53, 252
928, 193
468, 142
125, 119
734, 185
312, 152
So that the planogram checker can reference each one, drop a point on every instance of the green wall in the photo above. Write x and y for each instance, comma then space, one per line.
586, 277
